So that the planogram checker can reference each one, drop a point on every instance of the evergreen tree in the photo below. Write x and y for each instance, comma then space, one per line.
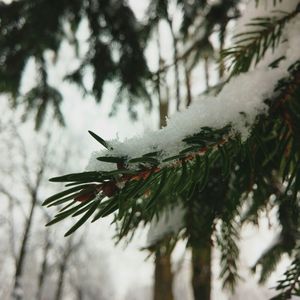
229, 164
116, 43
191, 45
62, 22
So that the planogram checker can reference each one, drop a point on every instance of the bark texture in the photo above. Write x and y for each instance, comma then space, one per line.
201, 276
163, 277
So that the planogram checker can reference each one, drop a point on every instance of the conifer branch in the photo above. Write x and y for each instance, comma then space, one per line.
150, 179
290, 285
227, 243
250, 47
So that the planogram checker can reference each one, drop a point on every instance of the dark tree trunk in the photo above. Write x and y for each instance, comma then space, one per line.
206, 71
163, 109
17, 289
188, 86
176, 66
201, 268
163, 277
163, 103
176, 73
222, 42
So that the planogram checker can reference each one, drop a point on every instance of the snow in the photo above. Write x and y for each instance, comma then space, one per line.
238, 104
169, 221
294, 43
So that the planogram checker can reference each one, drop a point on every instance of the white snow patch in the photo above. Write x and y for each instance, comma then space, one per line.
169, 221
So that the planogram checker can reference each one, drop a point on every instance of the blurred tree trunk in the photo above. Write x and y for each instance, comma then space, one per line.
201, 255
175, 61
79, 293
60, 281
44, 267
62, 270
163, 110
201, 272
17, 292
222, 36
12, 236
163, 100
206, 71
187, 74
163, 277
33, 189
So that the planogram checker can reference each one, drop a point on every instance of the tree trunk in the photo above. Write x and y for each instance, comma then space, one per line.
44, 268
177, 80
163, 277
17, 293
163, 103
79, 293
61, 279
163, 109
175, 61
222, 42
201, 268
63, 268
206, 71
188, 86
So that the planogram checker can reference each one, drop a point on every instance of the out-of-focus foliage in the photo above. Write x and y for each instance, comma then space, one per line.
115, 48
116, 43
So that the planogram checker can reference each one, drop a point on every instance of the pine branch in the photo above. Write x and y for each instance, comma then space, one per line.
149, 179
129, 184
290, 285
227, 242
269, 260
250, 47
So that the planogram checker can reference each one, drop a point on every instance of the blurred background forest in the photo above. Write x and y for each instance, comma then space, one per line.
118, 68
